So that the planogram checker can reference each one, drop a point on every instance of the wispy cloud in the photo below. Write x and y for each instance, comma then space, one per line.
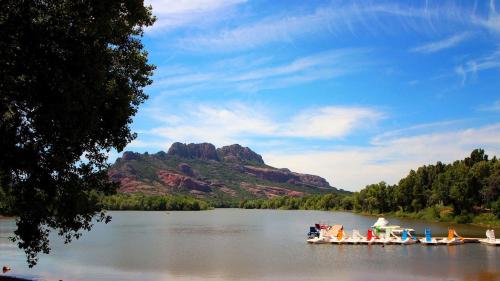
476, 65
443, 44
493, 107
238, 122
172, 14
353, 168
490, 22
266, 74
333, 20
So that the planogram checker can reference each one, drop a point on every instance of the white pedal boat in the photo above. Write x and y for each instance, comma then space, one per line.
386, 239
357, 238
490, 239
428, 239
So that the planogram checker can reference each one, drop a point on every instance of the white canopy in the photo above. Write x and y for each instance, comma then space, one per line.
381, 222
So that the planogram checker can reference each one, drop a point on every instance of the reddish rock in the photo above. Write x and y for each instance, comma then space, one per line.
285, 176
173, 173
229, 191
275, 175
180, 181
313, 180
270, 191
186, 169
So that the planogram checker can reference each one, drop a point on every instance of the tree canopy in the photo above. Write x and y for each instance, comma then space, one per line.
464, 191
72, 75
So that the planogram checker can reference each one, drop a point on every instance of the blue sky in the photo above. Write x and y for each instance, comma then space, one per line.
357, 92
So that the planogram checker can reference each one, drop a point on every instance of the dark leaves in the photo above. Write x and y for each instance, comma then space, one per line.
72, 75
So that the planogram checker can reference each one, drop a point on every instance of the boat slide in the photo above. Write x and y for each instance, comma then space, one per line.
490, 239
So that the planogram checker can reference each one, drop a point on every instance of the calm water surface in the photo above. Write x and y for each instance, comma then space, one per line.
234, 244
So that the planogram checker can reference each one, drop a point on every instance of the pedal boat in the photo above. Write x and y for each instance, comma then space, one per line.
428, 240
341, 238
386, 239
452, 239
490, 239
321, 239
405, 239
369, 239
356, 238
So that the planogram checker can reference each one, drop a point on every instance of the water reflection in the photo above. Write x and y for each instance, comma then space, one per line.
248, 245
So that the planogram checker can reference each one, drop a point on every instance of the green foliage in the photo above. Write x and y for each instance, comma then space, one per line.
71, 78
330, 201
461, 192
5, 202
495, 207
468, 185
153, 203
487, 219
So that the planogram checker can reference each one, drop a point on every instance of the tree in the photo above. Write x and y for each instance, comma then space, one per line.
72, 75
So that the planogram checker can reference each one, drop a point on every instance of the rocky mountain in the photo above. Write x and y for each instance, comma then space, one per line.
204, 171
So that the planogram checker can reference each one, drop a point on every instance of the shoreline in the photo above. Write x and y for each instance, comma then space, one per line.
412, 216
12, 278
6, 217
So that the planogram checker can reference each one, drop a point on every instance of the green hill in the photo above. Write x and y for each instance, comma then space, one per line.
228, 173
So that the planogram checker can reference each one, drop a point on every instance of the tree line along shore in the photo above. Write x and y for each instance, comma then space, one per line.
465, 191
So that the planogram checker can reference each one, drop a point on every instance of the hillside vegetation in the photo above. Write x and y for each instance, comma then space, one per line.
224, 176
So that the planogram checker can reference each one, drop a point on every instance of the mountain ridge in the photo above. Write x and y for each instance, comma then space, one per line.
204, 171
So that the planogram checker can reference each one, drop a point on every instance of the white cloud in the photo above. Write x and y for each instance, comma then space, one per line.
493, 107
319, 60
334, 19
331, 122
492, 21
256, 34
389, 160
173, 14
236, 73
237, 122
473, 66
446, 43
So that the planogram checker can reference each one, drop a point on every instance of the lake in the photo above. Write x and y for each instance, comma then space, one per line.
236, 244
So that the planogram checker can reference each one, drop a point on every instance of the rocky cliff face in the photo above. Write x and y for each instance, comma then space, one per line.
205, 151
203, 171
239, 154
286, 176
